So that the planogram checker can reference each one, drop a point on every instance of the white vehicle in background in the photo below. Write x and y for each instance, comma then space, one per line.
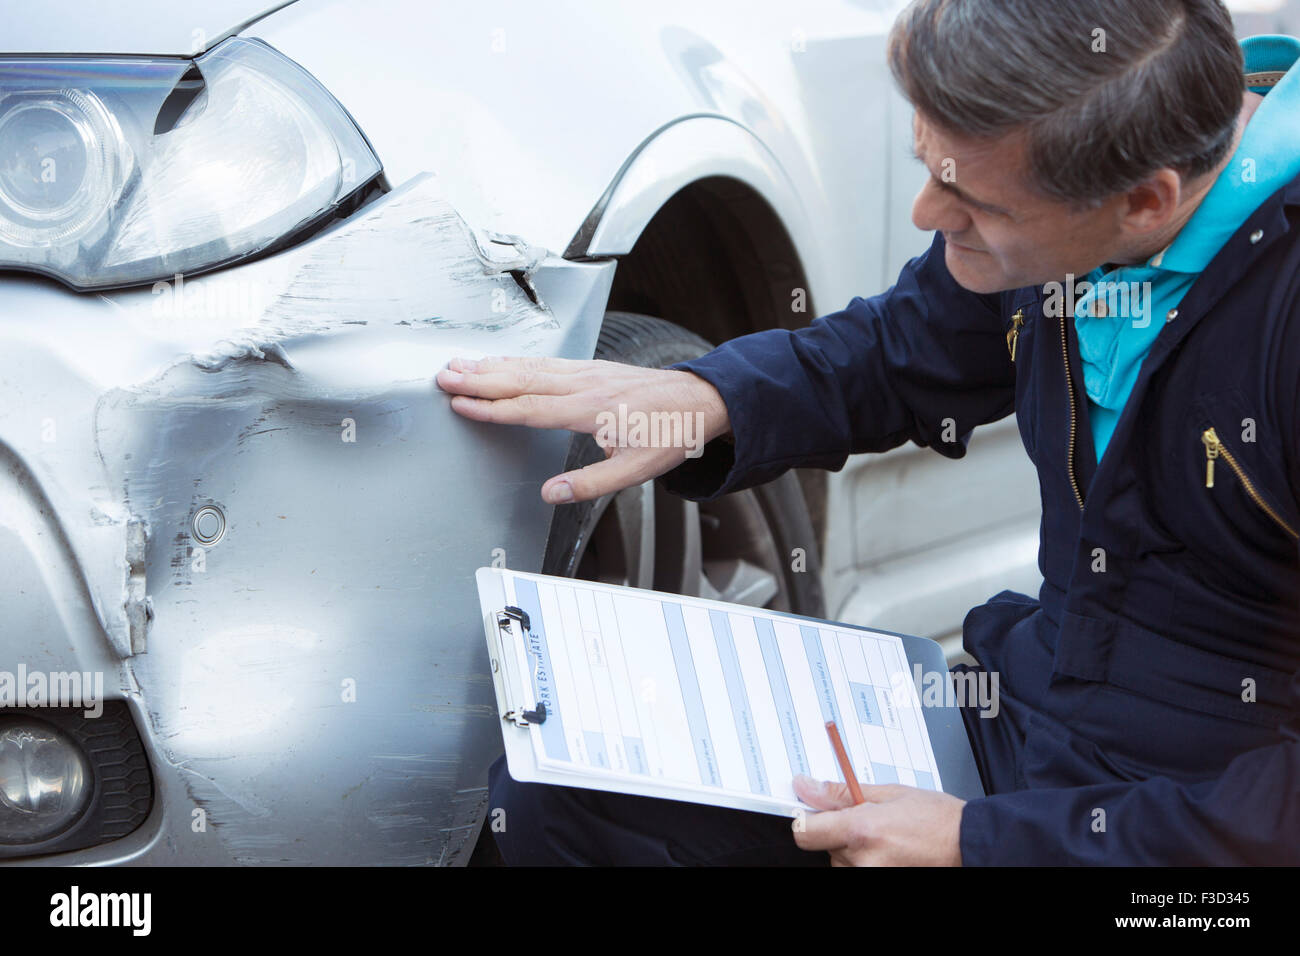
237, 240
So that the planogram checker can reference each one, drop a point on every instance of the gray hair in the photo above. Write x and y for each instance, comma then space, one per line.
1163, 90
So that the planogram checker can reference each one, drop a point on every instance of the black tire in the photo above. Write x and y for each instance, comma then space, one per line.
740, 548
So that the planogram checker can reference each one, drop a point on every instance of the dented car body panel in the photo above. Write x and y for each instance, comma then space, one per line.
292, 679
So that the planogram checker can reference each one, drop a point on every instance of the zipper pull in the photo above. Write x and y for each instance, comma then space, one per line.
1212, 446
1013, 336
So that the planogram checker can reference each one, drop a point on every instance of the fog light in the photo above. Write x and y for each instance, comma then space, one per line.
45, 782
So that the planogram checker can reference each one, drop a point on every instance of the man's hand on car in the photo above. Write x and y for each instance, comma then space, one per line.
573, 394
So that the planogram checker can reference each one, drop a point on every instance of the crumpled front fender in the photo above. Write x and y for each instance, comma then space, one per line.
312, 685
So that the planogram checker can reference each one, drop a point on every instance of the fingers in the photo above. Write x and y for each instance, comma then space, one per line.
509, 377
841, 823
527, 363
625, 468
539, 411
551, 393
822, 794
828, 830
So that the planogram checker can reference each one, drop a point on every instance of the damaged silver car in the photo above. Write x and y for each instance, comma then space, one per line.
239, 522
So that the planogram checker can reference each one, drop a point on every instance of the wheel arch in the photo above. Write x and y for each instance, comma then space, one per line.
708, 231
711, 173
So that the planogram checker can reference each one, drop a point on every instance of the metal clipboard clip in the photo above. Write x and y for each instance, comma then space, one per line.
519, 714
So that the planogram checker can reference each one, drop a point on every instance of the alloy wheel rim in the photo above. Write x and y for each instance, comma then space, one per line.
644, 537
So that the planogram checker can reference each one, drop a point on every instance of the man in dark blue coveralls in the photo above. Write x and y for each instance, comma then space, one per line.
1154, 685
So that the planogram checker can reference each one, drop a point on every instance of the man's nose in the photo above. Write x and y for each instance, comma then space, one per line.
934, 210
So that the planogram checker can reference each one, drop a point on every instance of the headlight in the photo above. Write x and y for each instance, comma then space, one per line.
121, 171
44, 782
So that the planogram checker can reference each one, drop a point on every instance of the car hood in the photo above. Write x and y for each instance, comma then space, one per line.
161, 27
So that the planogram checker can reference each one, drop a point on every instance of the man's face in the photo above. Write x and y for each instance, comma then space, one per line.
1000, 233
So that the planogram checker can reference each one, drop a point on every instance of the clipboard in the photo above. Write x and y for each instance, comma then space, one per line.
523, 645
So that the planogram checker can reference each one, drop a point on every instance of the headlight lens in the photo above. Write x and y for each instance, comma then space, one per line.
61, 166
45, 782
100, 185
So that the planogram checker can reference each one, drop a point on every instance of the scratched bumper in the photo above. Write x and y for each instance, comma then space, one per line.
313, 686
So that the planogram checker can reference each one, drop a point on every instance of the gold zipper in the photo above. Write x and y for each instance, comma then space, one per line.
1214, 448
1013, 336
1069, 390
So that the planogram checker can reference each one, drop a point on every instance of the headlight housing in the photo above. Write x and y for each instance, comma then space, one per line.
119, 171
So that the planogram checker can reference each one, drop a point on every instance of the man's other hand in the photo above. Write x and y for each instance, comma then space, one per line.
896, 826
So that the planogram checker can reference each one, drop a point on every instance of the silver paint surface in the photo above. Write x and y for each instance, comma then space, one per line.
346, 567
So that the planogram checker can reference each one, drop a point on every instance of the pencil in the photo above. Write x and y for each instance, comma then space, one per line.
846, 768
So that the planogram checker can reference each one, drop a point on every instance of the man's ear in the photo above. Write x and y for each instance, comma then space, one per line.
1151, 204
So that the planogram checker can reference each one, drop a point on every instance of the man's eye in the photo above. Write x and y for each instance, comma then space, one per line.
976, 209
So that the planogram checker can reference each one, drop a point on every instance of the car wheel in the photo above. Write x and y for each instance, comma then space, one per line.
740, 548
